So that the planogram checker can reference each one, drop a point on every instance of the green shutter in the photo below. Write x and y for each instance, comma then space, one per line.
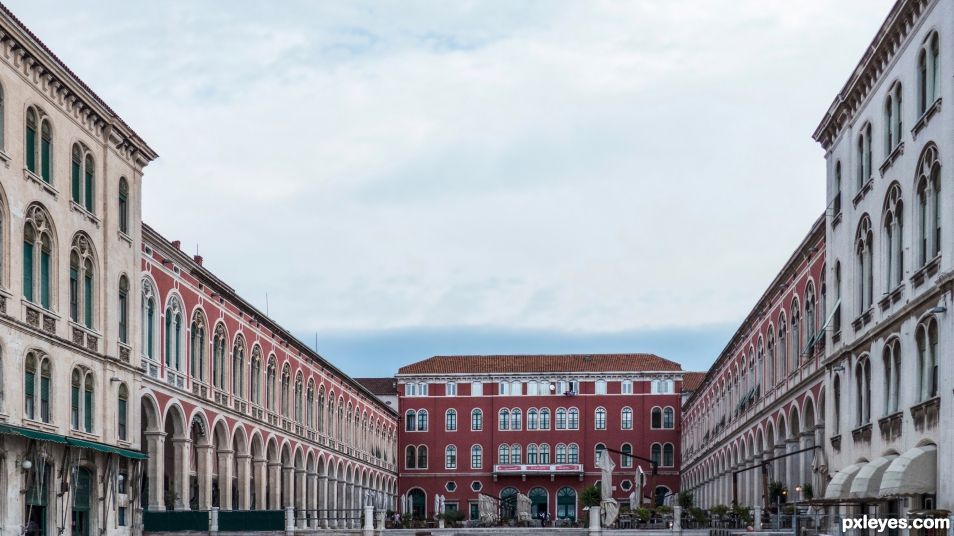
74, 295
44, 389
122, 419
75, 175
28, 384
168, 338
45, 279
31, 149
89, 190
28, 271
88, 411
45, 147
88, 300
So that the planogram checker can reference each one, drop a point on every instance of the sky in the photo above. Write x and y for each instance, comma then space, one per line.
405, 179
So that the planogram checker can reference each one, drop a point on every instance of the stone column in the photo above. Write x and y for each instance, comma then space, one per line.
289, 473
261, 483
332, 503
182, 448
779, 470
299, 497
274, 483
757, 518
808, 441
244, 482
225, 480
312, 502
341, 503
155, 446
322, 501
794, 472
203, 471
757, 497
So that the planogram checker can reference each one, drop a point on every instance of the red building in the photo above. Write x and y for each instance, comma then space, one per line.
535, 424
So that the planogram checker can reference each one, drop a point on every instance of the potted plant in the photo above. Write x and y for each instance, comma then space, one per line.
686, 499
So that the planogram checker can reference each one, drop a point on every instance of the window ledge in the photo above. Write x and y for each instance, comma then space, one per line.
865, 188
888, 162
930, 268
84, 337
40, 425
89, 436
891, 297
862, 319
5, 158
862, 433
836, 337
124, 351
124, 237
925, 117
836, 219
76, 207
33, 177
836, 442
890, 425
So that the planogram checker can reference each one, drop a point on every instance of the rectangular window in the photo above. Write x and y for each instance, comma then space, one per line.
45, 150
122, 516
44, 399
122, 419
28, 271
627, 388
29, 380
89, 189
410, 389
88, 300
123, 317
476, 389
601, 387
75, 178
45, 279
451, 389
74, 294
74, 407
503, 388
123, 213
474, 511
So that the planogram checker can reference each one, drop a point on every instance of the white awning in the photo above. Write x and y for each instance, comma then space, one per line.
840, 485
867, 483
912, 473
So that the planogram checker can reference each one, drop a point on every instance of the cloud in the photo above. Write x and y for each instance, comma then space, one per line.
595, 167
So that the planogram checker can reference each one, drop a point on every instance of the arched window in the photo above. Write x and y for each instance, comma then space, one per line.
238, 367
836, 319
532, 454
600, 418
863, 391
256, 375
892, 375
796, 334
770, 350
573, 419
286, 390
270, 383
893, 238
926, 338
864, 255
82, 175
864, 156
123, 313
544, 419
123, 205
37, 387
422, 420
39, 156
929, 79
598, 453
81, 281
626, 458
782, 348
299, 406
573, 453
173, 345
810, 317
450, 457
38, 247
148, 320
410, 457
626, 419
892, 119
929, 206
669, 418
122, 413
450, 420
545, 453
503, 454
515, 418
197, 347
655, 454
561, 419
669, 456
503, 419
515, 455
561, 453
476, 420
656, 418
836, 197
532, 419
836, 402
476, 457
422, 457
81, 400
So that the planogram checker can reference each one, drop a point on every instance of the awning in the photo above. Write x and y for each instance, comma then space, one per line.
867, 483
912, 473
63, 440
840, 485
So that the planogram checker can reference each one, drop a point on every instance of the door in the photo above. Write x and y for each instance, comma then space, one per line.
81, 503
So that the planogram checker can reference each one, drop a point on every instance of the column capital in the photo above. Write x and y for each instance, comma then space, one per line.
156, 434
244, 456
181, 440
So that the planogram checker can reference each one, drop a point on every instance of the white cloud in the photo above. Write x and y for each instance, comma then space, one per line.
580, 166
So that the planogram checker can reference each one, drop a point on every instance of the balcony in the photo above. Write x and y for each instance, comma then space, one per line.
84, 337
862, 433
890, 426
547, 469
926, 414
39, 318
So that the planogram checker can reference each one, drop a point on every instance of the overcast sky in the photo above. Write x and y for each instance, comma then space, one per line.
412, 178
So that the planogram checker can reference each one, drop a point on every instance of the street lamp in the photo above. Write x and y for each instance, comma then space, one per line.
778, 508
798, 494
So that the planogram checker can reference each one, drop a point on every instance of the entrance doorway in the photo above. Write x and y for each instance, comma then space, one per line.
539, 502
37, 499
81, 503
418, 502
566, 504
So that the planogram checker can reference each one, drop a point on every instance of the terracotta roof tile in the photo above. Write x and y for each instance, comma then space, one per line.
489, 364
379, 386
692, 380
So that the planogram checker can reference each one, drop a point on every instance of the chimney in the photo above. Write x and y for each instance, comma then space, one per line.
197, 259
177, 244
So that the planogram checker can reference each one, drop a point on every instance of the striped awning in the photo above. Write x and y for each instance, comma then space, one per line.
840, 485
912, 473
867, 483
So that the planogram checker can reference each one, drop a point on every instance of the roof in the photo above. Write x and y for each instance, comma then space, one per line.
483, 364
692, 380
379, 386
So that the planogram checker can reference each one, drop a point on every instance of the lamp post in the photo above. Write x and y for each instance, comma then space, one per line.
798, 493
778, 508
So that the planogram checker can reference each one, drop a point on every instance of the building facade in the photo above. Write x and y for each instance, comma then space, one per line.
502, 425
70, 181
383, 388
762, 402
890, 236
239, 414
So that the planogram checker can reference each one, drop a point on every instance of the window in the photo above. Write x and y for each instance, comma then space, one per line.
836, 319
836, 402
123, 205
626, 459
810, 319
476, 457
600, 418
410, 457
656, 418
561, 419
39, 157
669, 418
238, 372
863, 261
503, 454
503, 388
422, 420
532, 454
148, 314
450, 457
892, 119
476, 389
299, 390
573, 419
81, 400
796, 334
476, 420
81, 281
270, 385
926, 338
561, 453
123, 313
37, 387
2, 121
515, 456
892, 374
37, 257
668, 455
929, 80
310, 406
601, 387
532, 420
545, 453
663, 386
82, 177
286, 390
598, 452
451, 389
173, 333
573, 453
544, 419
626, 387
655, 454
836, 198
893, 238
929, 206
122, 412
516, 388
197, 347
218, 358
864, 156
450, 420
863, 391
256, 375
515, 418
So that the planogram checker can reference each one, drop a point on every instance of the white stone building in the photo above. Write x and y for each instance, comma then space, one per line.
70, 177
890, 258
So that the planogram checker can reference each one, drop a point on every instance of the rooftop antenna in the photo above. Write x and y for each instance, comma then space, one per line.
266, 304
316, 342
